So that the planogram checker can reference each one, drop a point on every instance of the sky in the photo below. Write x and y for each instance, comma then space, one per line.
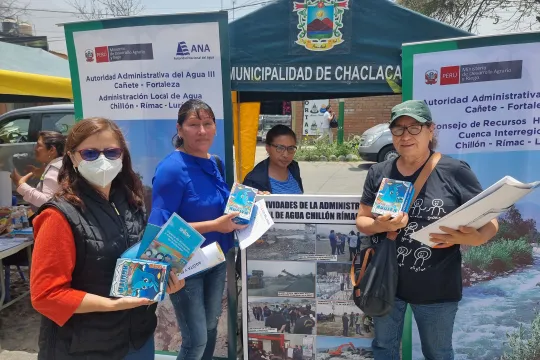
52, 13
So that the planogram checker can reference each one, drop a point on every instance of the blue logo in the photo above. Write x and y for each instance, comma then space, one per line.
182, 49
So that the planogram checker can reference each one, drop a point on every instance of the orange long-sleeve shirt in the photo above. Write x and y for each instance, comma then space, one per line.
53, 262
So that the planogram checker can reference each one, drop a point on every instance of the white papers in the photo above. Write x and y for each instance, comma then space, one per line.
481, 209
260, 224
204, 258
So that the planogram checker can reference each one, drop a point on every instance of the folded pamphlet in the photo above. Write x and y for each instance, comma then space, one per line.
259, 225
205, 258
481, 209
393, 197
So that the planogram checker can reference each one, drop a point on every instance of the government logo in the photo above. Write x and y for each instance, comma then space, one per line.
320, 23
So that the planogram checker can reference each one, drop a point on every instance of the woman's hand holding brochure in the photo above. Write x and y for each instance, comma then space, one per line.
387, 223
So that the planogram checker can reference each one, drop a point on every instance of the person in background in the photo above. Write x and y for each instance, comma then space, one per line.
279, 173
353, 244
430, 281
189, 182
326, 130
96, 215
48, 151
333, 242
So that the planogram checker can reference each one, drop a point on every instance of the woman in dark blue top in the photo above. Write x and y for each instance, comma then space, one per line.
188, 182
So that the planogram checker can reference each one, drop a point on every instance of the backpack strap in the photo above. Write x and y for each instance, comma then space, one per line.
420, 182
219, 164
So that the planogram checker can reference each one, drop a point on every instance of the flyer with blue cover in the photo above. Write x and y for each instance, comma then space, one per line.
140, 278
394, 196
175, 243
242, 200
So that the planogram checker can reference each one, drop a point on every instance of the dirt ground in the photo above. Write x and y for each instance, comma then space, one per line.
283, 245
19, 326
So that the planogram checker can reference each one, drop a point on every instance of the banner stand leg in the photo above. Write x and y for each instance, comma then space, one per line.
406, 340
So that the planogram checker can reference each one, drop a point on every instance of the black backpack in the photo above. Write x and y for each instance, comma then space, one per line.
375, 280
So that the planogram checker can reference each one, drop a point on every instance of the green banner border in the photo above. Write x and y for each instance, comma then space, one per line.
408, 53
221, 17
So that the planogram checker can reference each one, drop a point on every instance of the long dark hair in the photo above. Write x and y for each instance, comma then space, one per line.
53, 139
187, 108
69, 179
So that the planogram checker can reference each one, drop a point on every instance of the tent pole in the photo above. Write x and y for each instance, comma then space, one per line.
341, 120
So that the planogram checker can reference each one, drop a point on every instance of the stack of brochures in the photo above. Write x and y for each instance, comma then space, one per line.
481, 209
393, 197
143, 270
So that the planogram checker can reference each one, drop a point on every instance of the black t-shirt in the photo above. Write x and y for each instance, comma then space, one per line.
275, 321
427, 275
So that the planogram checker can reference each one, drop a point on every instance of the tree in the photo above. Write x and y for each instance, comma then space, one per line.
467, 14
512, 226
12, 9
99, 9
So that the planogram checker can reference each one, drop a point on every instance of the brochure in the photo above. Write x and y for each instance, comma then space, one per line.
261, 223
175, 243
242, 200
205, 258
140, 278
481, 209
394, 196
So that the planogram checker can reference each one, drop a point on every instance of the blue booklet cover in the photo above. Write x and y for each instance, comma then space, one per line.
394, 196
175, 243
242, 200
140, 278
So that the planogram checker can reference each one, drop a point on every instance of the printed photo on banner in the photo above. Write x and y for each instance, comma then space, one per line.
334, 281
281, 315
343, 318
281, 279
338, 348
337, 242
285, 242
313, 121
281, 346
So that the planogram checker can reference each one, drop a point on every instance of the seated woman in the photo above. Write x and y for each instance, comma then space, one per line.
279, 173
49, 151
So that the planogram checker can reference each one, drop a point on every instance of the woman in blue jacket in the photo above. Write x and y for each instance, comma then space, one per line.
189, 182
279, 173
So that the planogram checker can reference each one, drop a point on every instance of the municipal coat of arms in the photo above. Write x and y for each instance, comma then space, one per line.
319, 23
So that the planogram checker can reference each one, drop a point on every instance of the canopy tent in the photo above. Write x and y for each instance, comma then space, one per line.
310, 49
32, 75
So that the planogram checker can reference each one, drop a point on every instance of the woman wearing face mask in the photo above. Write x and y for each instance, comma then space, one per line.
189, 182
97, 214
48, 151
279, 173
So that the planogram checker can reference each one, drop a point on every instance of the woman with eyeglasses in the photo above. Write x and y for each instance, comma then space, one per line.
429, 278
279, 173
97, 214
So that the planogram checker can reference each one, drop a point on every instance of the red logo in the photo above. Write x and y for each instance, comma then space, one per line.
102, 54
450, 75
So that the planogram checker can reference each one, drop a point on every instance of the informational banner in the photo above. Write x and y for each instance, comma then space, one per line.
314, 116
298, 302
138, 72
484, 94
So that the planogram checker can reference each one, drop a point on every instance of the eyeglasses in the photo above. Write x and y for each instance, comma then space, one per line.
280, 148
411, 129
93, 154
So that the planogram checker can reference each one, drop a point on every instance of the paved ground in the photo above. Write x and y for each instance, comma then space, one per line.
328, 178
325, 178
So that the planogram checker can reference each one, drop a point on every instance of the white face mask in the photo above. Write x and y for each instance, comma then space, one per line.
100, 172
